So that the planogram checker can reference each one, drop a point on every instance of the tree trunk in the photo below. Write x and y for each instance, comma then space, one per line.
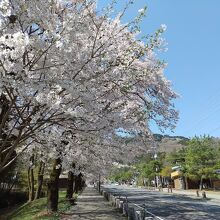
99, 183
69, 190
155, 182
31, 184
211, 183
70, 182
53, 186
40, 178
78, 183
31, 180
201, 182
186, 183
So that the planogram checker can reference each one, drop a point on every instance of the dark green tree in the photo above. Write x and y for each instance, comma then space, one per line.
201, 158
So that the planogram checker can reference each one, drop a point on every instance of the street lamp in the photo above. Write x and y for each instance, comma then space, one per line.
157, 168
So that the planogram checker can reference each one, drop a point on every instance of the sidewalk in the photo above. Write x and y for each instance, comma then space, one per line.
92, 206
211, 195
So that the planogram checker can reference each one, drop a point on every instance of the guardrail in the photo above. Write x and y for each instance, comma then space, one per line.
128, 208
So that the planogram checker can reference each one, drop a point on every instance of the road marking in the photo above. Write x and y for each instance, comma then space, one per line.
149, 212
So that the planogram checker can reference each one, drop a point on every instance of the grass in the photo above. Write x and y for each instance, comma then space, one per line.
37, 210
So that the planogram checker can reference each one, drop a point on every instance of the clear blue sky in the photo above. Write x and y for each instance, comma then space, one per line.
193, 36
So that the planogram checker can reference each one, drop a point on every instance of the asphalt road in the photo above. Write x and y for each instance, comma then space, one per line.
168, 206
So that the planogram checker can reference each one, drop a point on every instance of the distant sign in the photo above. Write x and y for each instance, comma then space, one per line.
176, 174
217, 171
176, 168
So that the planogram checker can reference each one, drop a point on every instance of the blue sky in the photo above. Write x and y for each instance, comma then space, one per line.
193, 36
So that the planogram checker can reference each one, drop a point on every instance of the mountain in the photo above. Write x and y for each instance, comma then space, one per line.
166, 143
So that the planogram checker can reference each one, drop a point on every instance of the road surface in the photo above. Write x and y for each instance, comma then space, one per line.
168, 206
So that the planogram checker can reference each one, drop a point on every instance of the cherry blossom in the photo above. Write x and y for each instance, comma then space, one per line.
66, 69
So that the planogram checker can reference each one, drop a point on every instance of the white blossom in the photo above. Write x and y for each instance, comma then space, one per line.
71, 78
142, 10
163, 27
5, 9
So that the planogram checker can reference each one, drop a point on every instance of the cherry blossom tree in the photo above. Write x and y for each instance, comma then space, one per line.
63, 64
70, 77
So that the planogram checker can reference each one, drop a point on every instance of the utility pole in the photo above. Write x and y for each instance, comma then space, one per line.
155, 158
157, 178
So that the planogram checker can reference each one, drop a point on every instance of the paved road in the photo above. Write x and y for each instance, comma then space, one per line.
168, 206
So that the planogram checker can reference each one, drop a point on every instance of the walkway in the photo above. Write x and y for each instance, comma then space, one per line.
211, 195
92, 206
